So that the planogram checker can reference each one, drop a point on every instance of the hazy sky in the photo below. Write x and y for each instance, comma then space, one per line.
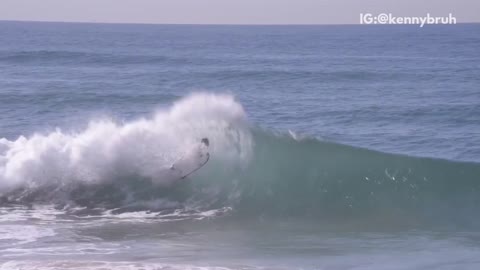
230, 11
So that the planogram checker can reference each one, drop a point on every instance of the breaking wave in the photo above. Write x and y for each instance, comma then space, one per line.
253, 172
107, 153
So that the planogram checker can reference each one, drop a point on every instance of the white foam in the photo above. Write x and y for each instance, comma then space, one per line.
146, 147
21, 234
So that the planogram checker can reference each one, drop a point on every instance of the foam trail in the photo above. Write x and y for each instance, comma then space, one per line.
107, 150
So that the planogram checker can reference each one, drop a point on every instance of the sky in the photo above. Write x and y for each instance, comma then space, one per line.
230, 11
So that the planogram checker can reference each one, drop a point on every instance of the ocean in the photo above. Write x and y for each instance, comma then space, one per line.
331, 147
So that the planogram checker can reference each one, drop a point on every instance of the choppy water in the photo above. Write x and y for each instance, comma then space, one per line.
332, 147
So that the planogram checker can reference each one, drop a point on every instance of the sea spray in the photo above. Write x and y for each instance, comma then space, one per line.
145, 148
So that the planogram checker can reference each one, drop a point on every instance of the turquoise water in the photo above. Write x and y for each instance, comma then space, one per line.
332, 147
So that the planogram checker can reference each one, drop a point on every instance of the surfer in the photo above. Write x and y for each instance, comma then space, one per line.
205, 144
193, 161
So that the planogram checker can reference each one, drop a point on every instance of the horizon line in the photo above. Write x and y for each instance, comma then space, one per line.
212, 24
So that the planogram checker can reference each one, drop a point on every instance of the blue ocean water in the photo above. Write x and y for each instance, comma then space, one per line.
333, 147
400, 89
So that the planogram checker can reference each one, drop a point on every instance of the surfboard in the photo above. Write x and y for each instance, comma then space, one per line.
192, 161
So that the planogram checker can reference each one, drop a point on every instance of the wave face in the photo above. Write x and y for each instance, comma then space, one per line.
255, 172
320, 179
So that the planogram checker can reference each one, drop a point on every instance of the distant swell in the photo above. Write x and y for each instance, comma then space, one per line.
78, 57
254, 172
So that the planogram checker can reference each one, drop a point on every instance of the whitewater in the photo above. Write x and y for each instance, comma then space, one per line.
141, 148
